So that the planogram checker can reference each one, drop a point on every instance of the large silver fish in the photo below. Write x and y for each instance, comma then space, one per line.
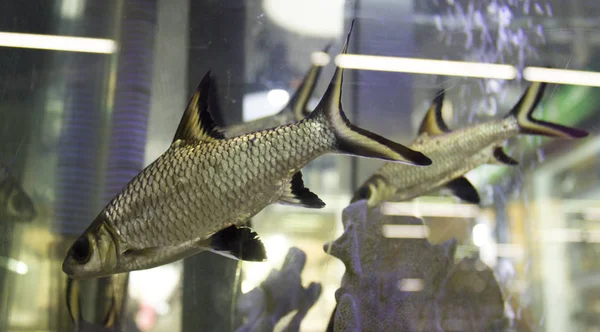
295, 110
199, 194
454, 153
15, 204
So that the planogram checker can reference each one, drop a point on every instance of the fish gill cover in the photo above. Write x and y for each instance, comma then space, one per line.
408, 284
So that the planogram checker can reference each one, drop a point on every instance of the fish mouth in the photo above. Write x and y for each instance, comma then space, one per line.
68, 268
72, 271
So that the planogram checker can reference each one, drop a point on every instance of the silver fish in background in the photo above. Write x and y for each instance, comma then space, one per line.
15, 204
200, 193
114, 313
295, 110
454, 153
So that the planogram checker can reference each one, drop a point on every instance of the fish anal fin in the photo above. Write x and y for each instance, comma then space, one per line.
197, 124
238, 243
463, 189
297, 194
500, 157
433, 123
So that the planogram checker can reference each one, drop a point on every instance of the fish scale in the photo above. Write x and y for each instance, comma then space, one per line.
200, 193
466, 152
454, 153
153, 186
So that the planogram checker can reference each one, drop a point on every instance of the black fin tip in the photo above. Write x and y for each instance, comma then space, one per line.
463, 189
240, 242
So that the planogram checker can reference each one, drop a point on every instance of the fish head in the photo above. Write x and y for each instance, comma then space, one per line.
94, 253
375, 190
15, 203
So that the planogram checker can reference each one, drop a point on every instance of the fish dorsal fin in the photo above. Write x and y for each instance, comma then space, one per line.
297, 194
197, 124
298, 104
500, 157
214, 104
238, 243
463, 189
433, 123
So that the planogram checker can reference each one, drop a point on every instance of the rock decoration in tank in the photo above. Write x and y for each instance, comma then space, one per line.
278, 295
408, 284
471, 299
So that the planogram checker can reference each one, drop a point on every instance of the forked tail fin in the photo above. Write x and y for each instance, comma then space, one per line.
298, 104
354, 140
523, 110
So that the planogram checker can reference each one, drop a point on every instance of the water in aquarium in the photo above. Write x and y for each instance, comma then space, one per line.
271, 165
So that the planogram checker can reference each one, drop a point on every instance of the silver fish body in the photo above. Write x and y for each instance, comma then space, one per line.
454, 153
200, 193
208, 187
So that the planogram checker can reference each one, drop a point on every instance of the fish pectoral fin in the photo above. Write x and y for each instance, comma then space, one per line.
501, 158
197, 124
111, 317
297, 194
73, 301
144, 252
463, 189
433, 123
238, 243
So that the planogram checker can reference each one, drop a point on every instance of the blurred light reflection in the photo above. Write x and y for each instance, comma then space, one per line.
426, 66
405, 231
481, 235
411, 285
430, 209
14, 265
57, 43
562, 76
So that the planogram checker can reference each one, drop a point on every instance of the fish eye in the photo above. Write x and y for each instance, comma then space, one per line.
19, 203
364, 192
80, 251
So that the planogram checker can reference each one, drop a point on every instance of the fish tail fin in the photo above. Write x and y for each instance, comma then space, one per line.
353, 140
523, 110
298, 104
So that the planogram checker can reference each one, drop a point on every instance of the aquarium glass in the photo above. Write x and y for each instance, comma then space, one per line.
92, 92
